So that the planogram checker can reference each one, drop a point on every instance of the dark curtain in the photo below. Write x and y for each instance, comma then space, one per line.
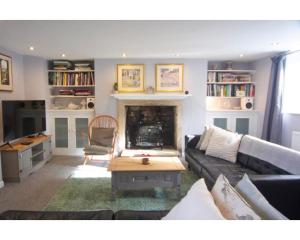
272, 128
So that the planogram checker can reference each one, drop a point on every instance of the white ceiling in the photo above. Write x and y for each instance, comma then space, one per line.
212, 40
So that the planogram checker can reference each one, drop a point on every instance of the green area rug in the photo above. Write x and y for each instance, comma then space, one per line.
95, 193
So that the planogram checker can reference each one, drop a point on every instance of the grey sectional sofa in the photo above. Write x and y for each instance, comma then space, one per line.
275, 170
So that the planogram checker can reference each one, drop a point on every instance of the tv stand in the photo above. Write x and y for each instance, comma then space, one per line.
27, 142
8, 144
25, 157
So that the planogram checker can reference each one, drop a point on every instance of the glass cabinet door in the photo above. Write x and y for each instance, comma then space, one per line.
221, 122
81, 128
242, 125
61, 132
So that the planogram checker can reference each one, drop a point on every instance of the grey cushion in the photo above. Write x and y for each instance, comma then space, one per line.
257, 201
102, 136
96, 150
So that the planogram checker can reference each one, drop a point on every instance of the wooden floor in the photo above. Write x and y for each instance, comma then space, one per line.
36, 190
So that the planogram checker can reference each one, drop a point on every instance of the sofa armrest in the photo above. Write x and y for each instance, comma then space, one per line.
190, 141
282, 191
57, 215
139, 215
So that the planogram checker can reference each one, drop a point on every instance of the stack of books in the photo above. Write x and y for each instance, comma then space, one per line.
84, 66
62, 65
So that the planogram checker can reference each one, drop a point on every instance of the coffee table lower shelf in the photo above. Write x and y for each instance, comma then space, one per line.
140, 180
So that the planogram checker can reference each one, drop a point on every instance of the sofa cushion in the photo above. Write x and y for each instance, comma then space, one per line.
212, 167
57, 215
139, 215
223, 144
231, 204
198, 204
257, 201
279, 156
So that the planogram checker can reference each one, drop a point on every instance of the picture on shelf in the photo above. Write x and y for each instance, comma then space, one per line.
130, 77
6, 83
169, 77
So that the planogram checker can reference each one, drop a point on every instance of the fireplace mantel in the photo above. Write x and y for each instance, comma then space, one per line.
155, 96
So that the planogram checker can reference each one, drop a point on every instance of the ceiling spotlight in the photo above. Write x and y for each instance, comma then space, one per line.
275, 43
31, 48
241, 55
124, 55
63, 55
177, 55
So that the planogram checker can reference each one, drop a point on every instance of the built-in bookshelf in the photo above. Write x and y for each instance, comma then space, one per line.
71, 83
230, 89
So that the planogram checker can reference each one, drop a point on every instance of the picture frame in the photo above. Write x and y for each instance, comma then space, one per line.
130, 77
169, 77
6, 81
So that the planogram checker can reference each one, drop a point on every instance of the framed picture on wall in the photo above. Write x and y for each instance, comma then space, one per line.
130, 77
169, 78
6, 83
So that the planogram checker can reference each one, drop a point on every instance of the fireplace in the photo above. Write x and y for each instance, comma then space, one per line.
150, 127
150, 124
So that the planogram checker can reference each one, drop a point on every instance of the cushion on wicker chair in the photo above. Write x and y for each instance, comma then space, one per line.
102, 136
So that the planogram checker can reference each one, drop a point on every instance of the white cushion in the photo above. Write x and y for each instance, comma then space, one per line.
202, 137
224, 144
206, 137
198, 204
257, 201
230, 202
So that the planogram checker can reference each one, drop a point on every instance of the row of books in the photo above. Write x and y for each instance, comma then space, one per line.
71, 79
68, 65
75, 92
228, 77
228, 90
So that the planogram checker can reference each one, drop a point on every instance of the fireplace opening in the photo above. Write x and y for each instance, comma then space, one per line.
150, 127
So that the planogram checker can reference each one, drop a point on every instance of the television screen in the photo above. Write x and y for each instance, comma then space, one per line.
23, 118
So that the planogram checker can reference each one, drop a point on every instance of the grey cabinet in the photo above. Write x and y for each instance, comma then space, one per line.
22, 160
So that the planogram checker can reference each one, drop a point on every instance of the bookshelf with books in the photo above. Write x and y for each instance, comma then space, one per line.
228, 89
71, 83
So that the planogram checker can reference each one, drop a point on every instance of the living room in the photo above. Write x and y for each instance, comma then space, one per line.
144, 119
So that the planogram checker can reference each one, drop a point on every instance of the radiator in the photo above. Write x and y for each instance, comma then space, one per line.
295, 140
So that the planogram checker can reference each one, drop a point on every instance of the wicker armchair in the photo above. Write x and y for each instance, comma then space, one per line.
106, 128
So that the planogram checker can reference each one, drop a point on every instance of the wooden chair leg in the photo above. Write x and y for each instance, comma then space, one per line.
86, 158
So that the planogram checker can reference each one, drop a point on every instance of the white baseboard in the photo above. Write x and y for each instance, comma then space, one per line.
1, 184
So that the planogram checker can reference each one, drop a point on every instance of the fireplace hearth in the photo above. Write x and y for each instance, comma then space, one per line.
150, 127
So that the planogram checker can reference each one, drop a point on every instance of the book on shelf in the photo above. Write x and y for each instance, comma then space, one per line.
228, 77
71, 79
229, 90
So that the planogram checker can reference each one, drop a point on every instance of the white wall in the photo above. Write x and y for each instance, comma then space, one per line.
18, 92
262, 78
35, 78
195, 72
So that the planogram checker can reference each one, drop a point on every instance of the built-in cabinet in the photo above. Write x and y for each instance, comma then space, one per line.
69, 131
243, 122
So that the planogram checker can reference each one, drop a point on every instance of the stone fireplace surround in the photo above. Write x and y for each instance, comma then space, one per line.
122, 118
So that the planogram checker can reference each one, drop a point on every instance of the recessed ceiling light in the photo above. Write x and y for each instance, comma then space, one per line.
275, 43
124, 55
63, 55
241, 55
177, 55
31, 48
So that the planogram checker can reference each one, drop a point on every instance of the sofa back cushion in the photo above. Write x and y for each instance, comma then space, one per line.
282, 158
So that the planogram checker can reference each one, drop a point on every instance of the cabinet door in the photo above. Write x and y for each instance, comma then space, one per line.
81, 131
242, 125
221, 122
25, 163
61, 126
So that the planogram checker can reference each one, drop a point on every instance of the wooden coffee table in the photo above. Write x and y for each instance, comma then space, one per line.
128, 173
